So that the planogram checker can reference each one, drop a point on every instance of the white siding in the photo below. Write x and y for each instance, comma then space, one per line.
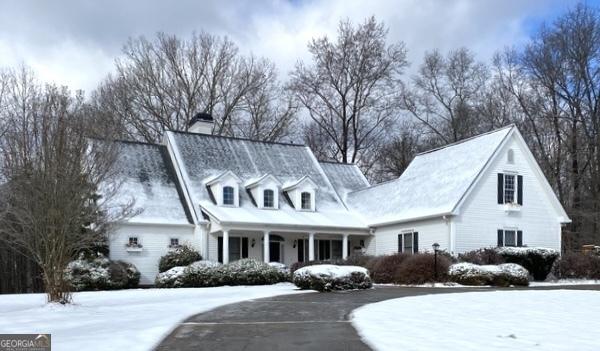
430, 231
155, 240
481, 216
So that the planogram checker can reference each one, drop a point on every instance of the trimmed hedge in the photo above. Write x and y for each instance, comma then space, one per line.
505, 274
331, 277
488, 255
181, 256
420, 269
385, 267
100, 273
537, 260
210, 274
577, 266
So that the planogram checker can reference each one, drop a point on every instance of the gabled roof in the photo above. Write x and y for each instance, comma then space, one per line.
202, 156
291, 185
148, 179
432, 185
219, 177
252, 182
345, 177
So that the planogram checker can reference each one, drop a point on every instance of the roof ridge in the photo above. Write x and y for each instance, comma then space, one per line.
136, 142
374, 185
465, 140
236, 138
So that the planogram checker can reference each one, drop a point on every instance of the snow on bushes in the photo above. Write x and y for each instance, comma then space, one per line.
180, 256
280, 267
329, 277
505, 274
487, 255
100, 273
537, 260
577, 266
210, 274
171, 278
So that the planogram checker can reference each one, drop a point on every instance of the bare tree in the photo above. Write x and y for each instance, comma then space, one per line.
351, 88
161, 84
446, 94
58, 182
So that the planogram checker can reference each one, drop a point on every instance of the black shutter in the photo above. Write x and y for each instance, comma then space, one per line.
415, 242
300, 250
244, 247
519, 238
500, 237
399, 242
500, 188
220, 248
520, 190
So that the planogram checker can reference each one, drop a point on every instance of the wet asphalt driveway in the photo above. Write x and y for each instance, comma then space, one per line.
312, 321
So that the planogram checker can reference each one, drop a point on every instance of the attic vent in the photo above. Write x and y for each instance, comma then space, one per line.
510, 156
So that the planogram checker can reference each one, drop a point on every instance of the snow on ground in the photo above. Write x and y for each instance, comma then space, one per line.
566, 282
129, 320
498, 320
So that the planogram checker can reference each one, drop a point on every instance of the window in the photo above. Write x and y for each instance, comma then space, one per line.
408, 242
510, 156
133, 242
269, 198
305, 201
228, 198
510, 237
509, 189
238, 248
174, 242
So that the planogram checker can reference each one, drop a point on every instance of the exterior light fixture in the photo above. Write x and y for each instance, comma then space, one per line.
436, 248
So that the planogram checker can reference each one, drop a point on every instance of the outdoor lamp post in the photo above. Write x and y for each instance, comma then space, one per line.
436, 247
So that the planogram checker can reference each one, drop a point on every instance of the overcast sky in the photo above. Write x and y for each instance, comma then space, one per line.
75, 42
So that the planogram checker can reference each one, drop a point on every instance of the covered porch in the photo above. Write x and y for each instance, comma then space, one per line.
284, 245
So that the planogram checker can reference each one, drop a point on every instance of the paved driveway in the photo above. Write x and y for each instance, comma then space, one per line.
312, 321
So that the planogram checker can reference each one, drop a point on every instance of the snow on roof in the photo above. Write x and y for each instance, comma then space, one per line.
252, 182
344, 177
289, 185
432, 185
202, 156
149, 180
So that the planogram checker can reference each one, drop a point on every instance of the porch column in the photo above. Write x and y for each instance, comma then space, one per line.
345, 246
266, 247
225, 246
311, 246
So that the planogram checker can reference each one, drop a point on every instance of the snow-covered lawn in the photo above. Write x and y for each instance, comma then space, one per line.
498, 320
129, 320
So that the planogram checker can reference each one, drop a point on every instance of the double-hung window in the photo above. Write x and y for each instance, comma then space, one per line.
268, 198
305, 201
408, 242
510, 188
510, 237
228, 195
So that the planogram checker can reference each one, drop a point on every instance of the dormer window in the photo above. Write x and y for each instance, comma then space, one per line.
302, 193
224, 189
268, 198
228, 195
305, 200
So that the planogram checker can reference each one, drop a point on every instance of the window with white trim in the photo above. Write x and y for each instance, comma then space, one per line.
408, 242
228, 195
268, 198
510, 188
133, 242
305, 200
174, 242
510, 237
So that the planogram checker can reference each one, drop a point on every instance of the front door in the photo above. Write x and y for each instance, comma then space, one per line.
275, 251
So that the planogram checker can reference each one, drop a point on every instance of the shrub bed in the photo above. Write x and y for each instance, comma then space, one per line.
537, 260
331, 277
181, 256
384, 268
209, 274
420, 269
100, 273
505, 274
577, 266
484, 256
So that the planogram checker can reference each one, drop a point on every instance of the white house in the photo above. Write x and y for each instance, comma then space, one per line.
233, 198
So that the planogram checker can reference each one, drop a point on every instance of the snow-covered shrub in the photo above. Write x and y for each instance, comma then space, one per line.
283, 269
205, 274
488, 255
420, 269
100, 273
384, 269
249, 271
505, 274
180, 256
577, 266
331, 277
172, 278
537, 260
